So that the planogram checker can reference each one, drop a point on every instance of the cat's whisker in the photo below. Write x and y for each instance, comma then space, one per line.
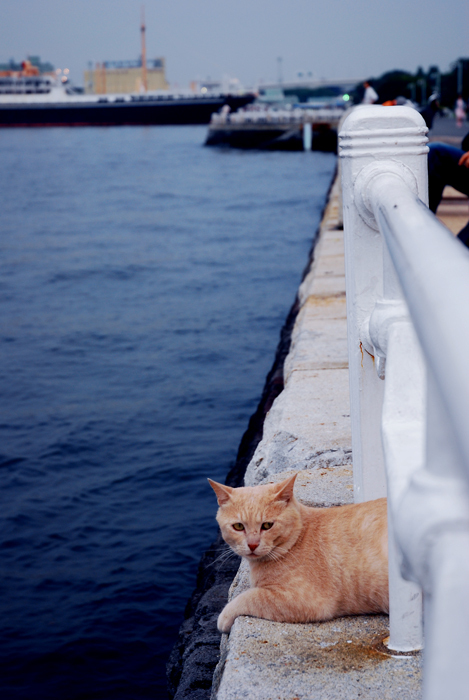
278, 554
228, 554
273, 557
224, 556
284, 551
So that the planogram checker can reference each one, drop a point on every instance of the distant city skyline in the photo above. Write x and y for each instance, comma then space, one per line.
244, 39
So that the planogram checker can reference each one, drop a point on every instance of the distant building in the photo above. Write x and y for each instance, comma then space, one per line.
126, 76
32, 66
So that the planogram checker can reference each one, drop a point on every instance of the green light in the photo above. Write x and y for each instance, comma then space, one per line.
345, 98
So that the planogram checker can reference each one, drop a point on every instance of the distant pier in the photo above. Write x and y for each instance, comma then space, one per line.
276, 129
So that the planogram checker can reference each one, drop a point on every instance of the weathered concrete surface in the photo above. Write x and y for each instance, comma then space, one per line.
270, 660
308, 425
308, 430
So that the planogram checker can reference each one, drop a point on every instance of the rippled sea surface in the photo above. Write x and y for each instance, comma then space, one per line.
144, 280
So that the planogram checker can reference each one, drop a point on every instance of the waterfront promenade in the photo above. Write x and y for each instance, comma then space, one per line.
308, 430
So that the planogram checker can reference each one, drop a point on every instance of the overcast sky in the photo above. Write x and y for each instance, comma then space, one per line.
240, 38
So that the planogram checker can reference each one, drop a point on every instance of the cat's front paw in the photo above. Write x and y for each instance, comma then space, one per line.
225, 620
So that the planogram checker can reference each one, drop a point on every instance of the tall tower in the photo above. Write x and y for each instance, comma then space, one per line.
144, 52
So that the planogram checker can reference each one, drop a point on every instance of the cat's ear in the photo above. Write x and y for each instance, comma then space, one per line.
223, 492
284, 491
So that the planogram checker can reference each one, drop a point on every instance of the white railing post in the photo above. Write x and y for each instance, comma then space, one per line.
372, 138
377, 141
404, 443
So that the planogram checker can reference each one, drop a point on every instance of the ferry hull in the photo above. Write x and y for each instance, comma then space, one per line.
161, 111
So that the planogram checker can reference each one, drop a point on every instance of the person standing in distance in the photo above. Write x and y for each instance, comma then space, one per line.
370, 96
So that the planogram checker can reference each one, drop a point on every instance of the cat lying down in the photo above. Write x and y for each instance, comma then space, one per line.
306, 564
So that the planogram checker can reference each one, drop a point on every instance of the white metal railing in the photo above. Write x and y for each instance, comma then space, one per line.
407, 283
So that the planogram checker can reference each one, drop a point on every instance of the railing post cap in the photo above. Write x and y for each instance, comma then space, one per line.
372, 117
373, 131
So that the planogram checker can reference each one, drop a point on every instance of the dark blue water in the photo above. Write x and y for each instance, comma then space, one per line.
144, 280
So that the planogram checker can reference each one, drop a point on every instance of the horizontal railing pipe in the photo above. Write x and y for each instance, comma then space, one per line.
433, 270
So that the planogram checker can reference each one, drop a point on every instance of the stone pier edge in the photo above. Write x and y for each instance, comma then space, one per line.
344, 658
196, 654
307, 430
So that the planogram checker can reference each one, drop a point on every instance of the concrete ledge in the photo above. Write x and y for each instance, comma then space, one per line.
308, 425
308, 431
337, 660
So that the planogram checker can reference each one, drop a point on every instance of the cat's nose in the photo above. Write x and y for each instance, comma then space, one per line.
252, 547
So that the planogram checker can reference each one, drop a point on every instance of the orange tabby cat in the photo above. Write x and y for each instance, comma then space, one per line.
306, 564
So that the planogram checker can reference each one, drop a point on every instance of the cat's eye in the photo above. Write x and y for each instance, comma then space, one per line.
266, 526
238, 526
